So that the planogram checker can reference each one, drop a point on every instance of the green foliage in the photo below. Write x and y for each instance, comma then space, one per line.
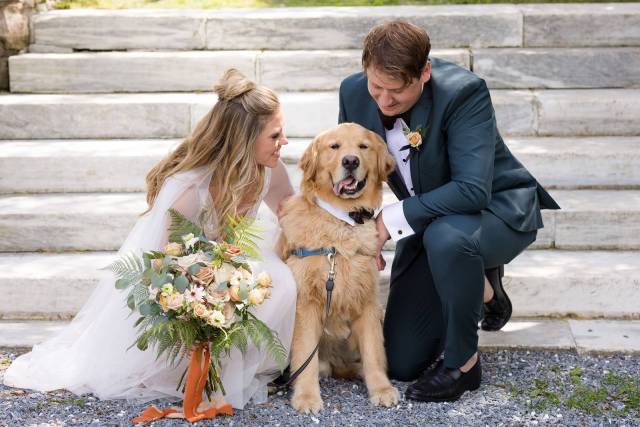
180, 226
129, 270
242, 233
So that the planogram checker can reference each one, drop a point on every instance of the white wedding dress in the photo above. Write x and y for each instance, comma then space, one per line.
90, 354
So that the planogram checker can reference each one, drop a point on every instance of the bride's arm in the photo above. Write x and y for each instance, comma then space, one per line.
279, 189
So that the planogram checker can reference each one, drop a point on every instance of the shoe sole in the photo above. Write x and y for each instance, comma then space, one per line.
441, 399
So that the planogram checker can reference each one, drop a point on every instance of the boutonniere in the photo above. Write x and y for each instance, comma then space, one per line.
414, 137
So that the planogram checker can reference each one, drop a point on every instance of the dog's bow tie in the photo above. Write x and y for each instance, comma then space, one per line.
360, 215
389, 121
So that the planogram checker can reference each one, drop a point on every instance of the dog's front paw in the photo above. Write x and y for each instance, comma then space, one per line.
385, 396
307, 403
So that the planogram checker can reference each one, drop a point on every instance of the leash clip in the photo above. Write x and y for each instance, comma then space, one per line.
331, 256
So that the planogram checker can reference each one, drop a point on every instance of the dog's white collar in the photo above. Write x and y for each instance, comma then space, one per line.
341, 215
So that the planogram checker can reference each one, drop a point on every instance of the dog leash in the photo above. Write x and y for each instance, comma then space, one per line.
331, 257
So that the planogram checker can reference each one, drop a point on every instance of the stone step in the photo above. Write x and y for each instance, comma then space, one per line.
191, 71
590, 219
597, 112
108, 72
273, 29
121, 165
584, 336
558, 68
546, 283
497, 25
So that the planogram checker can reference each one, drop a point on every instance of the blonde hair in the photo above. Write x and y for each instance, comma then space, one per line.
224, 141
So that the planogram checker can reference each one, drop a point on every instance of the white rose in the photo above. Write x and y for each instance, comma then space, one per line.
256, 296
264, 280
173, 249
167, 288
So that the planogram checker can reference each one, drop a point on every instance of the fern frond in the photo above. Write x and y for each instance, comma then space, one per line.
180, 225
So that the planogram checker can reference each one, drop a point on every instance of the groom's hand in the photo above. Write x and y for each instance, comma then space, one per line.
383, 236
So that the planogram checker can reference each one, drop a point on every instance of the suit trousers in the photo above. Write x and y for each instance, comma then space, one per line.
435, 303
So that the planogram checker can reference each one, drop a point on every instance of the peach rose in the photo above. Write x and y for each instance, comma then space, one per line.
174, 301
205, 275
230, 251
415, 140
234, 293
200, 310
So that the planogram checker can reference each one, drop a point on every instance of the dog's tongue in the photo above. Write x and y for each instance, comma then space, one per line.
347, 182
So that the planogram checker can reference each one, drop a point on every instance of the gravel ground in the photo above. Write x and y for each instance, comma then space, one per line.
519, 388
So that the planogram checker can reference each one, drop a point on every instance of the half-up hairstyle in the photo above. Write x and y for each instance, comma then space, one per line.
224, 141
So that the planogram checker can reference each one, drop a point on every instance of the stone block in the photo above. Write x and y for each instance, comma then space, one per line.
89, 29
63, 222
345, 28
515, 112
530, 334
583, 284
49, 286
589, 24
574, 163
606, 336
94, 116
558, 68
599, 112
592, 219
79, 165
109, 72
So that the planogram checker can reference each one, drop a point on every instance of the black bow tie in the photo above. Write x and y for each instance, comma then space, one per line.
389, 121
361, 214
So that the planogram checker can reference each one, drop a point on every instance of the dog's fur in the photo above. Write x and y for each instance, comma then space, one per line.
352, 341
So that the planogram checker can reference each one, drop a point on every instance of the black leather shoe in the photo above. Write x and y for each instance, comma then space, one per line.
431, 370
280, 383
445, 384
497, 312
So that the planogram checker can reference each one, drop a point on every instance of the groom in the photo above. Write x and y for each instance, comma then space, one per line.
467, 207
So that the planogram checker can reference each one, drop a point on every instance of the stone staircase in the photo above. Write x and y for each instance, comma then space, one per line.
103, 95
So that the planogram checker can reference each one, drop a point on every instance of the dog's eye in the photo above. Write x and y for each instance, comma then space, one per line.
363, 146
335, 146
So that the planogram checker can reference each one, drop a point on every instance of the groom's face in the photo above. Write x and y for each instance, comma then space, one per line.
393, 95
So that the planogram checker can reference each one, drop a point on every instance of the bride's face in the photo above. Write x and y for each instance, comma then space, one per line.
272, 137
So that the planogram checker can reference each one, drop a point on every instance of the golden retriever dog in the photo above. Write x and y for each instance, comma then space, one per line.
344, 167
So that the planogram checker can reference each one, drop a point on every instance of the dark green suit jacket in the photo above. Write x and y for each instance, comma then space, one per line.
463, 166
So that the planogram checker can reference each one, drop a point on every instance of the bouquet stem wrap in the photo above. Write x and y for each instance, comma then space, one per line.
196, 380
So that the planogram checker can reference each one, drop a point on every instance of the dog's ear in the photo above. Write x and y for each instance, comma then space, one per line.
386, 163
309, 161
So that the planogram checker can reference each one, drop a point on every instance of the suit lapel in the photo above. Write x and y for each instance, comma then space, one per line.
420, 117
394, 180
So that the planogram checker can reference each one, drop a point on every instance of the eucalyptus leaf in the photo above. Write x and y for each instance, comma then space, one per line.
181, 284
131, 303
243, 292
223, 286
122, 284
144, 309
193, 270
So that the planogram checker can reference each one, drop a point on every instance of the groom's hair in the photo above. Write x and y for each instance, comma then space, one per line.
397, 48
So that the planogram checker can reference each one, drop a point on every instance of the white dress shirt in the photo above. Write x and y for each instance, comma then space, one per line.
393, 214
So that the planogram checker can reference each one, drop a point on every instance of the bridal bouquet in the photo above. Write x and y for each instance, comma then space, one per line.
194, 298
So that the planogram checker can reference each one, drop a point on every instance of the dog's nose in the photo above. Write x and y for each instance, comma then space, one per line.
350, 162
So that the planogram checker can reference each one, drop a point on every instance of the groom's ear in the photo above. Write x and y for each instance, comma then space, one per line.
386, 163
309, 162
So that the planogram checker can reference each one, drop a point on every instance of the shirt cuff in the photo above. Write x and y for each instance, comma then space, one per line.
397, 225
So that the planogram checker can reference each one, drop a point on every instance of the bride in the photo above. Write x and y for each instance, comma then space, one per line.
228, 166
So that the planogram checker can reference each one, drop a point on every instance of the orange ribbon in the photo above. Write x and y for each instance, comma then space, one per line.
196, 380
